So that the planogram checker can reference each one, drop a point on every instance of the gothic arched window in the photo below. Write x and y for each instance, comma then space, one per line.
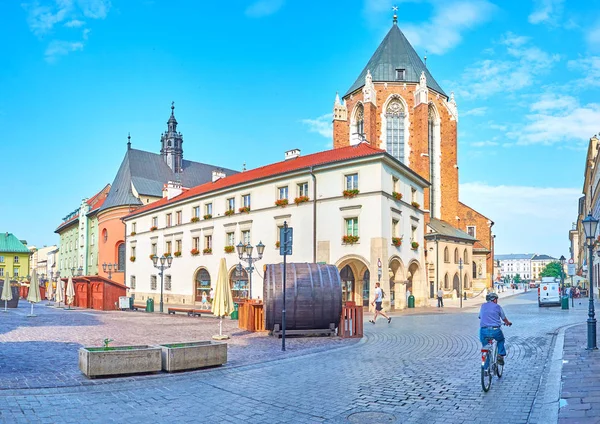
456, 255
431, 128
446, 255
121, 257
358, 124
394, 120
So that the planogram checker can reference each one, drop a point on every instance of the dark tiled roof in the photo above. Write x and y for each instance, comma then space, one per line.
442, 228
514, 256
148, 173
395, 52
543, 258
11, 244
301, 162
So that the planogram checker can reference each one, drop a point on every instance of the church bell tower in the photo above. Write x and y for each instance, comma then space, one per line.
172, 144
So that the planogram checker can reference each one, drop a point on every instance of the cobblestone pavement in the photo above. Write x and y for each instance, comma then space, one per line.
418, 369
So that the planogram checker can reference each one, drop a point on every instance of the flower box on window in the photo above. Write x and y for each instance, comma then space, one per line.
153, 228
301, 199
151, 255
229, 212
414, 245
177, 254
195, 219
396, 195
207, 251
349, 194
132, 258
350, 239
133, 233
244, 209
207, 216
195, 252
282, 203
229, 249
167, 254
397, 241
277, 244
415, 204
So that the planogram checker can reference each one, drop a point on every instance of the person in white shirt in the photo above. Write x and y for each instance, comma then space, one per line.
440, 297
378, 298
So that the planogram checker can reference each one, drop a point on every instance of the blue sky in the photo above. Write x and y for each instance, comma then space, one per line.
251, 79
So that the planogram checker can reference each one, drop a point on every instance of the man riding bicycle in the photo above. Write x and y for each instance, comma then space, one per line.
491, 316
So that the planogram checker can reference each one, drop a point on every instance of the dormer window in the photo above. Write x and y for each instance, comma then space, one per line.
400, 74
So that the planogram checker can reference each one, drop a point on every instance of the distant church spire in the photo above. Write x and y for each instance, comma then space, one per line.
395, 9
172, 144
128, 141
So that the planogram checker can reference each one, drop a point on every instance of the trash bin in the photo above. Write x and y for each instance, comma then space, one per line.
411, 301
131, 302
564, 302
234, 314
150, 305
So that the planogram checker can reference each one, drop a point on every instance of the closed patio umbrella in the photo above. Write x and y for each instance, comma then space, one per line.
70, 292
59, 292
34, 292
223, 300
50, 290
6, 292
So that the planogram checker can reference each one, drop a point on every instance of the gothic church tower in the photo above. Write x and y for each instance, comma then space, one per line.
172, 144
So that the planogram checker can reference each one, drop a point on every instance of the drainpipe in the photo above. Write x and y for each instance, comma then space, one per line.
314, 178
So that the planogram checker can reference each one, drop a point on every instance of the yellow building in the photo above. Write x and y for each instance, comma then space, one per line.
14, 257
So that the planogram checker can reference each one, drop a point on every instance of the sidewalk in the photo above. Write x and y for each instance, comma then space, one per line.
475, 301
580, 394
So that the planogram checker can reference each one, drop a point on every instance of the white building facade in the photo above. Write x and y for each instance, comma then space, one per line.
513, 264
338, 202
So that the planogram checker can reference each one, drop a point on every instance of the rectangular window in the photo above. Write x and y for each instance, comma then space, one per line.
178, 245
283, 193
413, 234
196, 212
133, 228
133, 251
246, 200
351, 227
400, 74
178, 218
471, 230
352, 182
231, 204
154, 251
1, 272
153, 282
230, 239
395, 185
246, 236
15, 272
169, 220
303, 189
167, 283
16, 259
395, 228
132, 282
208, 209
168, 248
413, 194
196, 243
155, 221
208, 242
1, 259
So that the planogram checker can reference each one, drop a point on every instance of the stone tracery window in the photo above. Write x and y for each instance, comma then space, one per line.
358, 124
394, 117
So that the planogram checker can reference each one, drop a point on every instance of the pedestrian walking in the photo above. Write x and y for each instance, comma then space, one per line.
377, 300
440, 297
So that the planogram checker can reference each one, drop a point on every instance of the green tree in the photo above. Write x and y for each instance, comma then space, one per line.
553, 269
517, 279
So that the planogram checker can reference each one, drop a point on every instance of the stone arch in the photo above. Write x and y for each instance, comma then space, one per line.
446, 254
413, 275
456, 255
435, 156
396, 274
352, 278
456, 283
406, 126
446, 282
466, 281
202, 283
239, 283
357, 124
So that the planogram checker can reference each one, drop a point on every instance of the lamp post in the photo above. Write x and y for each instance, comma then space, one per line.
562, 276
168, 259
247, 250
379, 271
590, 225
109, 267
460, 289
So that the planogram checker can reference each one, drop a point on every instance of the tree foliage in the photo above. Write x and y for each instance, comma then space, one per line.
553, 269
517, 279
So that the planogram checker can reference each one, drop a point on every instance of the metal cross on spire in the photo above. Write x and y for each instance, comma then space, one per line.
395, 10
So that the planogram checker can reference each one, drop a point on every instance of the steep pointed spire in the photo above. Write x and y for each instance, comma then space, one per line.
395, 60
340, 112
171, 144
337, 99
128, 141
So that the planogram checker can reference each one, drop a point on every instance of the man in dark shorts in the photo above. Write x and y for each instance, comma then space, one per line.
377, 302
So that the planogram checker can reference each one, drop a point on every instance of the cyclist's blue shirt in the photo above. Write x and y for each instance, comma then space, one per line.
491, 315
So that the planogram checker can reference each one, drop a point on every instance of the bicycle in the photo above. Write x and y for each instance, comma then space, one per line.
489, 363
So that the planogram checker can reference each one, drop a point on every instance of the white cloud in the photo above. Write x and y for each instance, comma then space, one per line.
498, 127
321, 125
520, 64
546, 11
523, 215
590, 68
94, 9
478, 111
484, 143
42, 18
450, 19
593, 36
75, 23
58, 48
553, 101
262, 8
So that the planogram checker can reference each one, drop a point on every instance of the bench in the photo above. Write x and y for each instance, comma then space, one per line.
137, 307
189, 311
198, 312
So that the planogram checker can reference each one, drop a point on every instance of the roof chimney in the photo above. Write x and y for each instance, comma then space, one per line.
217, 175
292, 154
172, 189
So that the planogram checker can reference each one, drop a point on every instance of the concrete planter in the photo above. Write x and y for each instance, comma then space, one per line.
121, 360
193, 355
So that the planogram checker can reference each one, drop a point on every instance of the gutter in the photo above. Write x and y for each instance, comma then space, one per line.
314, 178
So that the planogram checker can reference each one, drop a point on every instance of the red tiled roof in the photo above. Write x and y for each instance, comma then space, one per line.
95, 202
301, 162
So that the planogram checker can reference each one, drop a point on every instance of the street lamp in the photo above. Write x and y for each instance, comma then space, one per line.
460, 267
247, 250
590, 225
168, 259
108, 267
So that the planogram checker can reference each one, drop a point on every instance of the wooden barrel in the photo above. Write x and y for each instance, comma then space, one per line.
313, 296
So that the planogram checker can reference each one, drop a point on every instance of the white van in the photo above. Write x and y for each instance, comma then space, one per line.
549, 292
